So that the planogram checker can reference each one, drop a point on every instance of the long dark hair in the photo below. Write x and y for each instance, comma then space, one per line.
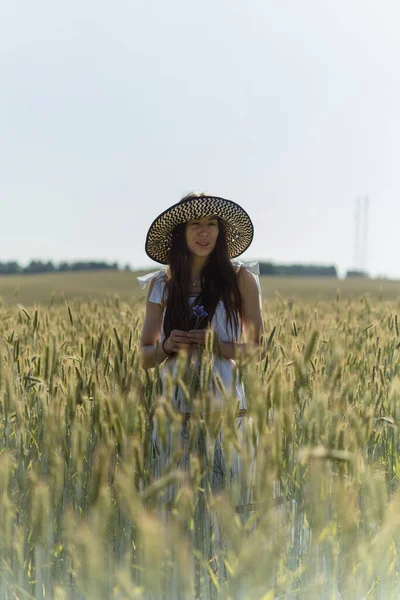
218, 282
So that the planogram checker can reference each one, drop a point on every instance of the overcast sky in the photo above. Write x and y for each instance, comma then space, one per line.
111, 111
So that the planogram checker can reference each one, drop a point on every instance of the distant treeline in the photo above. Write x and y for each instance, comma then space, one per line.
266, 268
38, 266
297, 270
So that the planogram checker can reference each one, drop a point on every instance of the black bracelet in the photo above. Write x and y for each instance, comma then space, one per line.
164, 350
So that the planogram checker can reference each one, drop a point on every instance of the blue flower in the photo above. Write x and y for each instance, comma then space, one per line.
199, 312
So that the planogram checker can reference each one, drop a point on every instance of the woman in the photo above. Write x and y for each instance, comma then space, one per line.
201, 289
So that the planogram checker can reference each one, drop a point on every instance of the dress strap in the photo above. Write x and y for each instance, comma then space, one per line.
157, 293
144, 280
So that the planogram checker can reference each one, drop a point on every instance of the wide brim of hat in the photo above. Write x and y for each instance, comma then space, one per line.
238, 225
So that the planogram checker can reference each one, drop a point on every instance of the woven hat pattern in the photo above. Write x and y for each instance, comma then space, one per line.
238, 226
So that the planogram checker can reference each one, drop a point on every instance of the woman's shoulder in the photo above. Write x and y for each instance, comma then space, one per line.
248, 278
155, 284
247, 282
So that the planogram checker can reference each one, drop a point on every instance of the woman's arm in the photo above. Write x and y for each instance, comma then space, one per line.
253, 327
151, 334
150, 354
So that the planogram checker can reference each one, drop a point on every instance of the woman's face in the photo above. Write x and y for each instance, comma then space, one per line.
201, 235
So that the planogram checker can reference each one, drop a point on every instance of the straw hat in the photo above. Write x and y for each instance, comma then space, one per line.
238, 226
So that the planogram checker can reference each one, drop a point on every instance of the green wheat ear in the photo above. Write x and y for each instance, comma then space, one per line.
70, 316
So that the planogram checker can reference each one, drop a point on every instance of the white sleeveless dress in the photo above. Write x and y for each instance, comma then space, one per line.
224, 368
217, 473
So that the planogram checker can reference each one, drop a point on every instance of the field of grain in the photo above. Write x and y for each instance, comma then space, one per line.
58, 288
81, 516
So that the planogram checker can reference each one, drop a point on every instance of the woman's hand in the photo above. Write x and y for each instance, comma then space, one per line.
198, 337
178, 340
221, 349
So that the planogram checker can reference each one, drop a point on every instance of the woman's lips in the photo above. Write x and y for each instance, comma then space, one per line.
203, 244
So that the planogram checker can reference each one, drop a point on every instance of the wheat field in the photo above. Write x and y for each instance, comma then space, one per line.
81, 516
58, 288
